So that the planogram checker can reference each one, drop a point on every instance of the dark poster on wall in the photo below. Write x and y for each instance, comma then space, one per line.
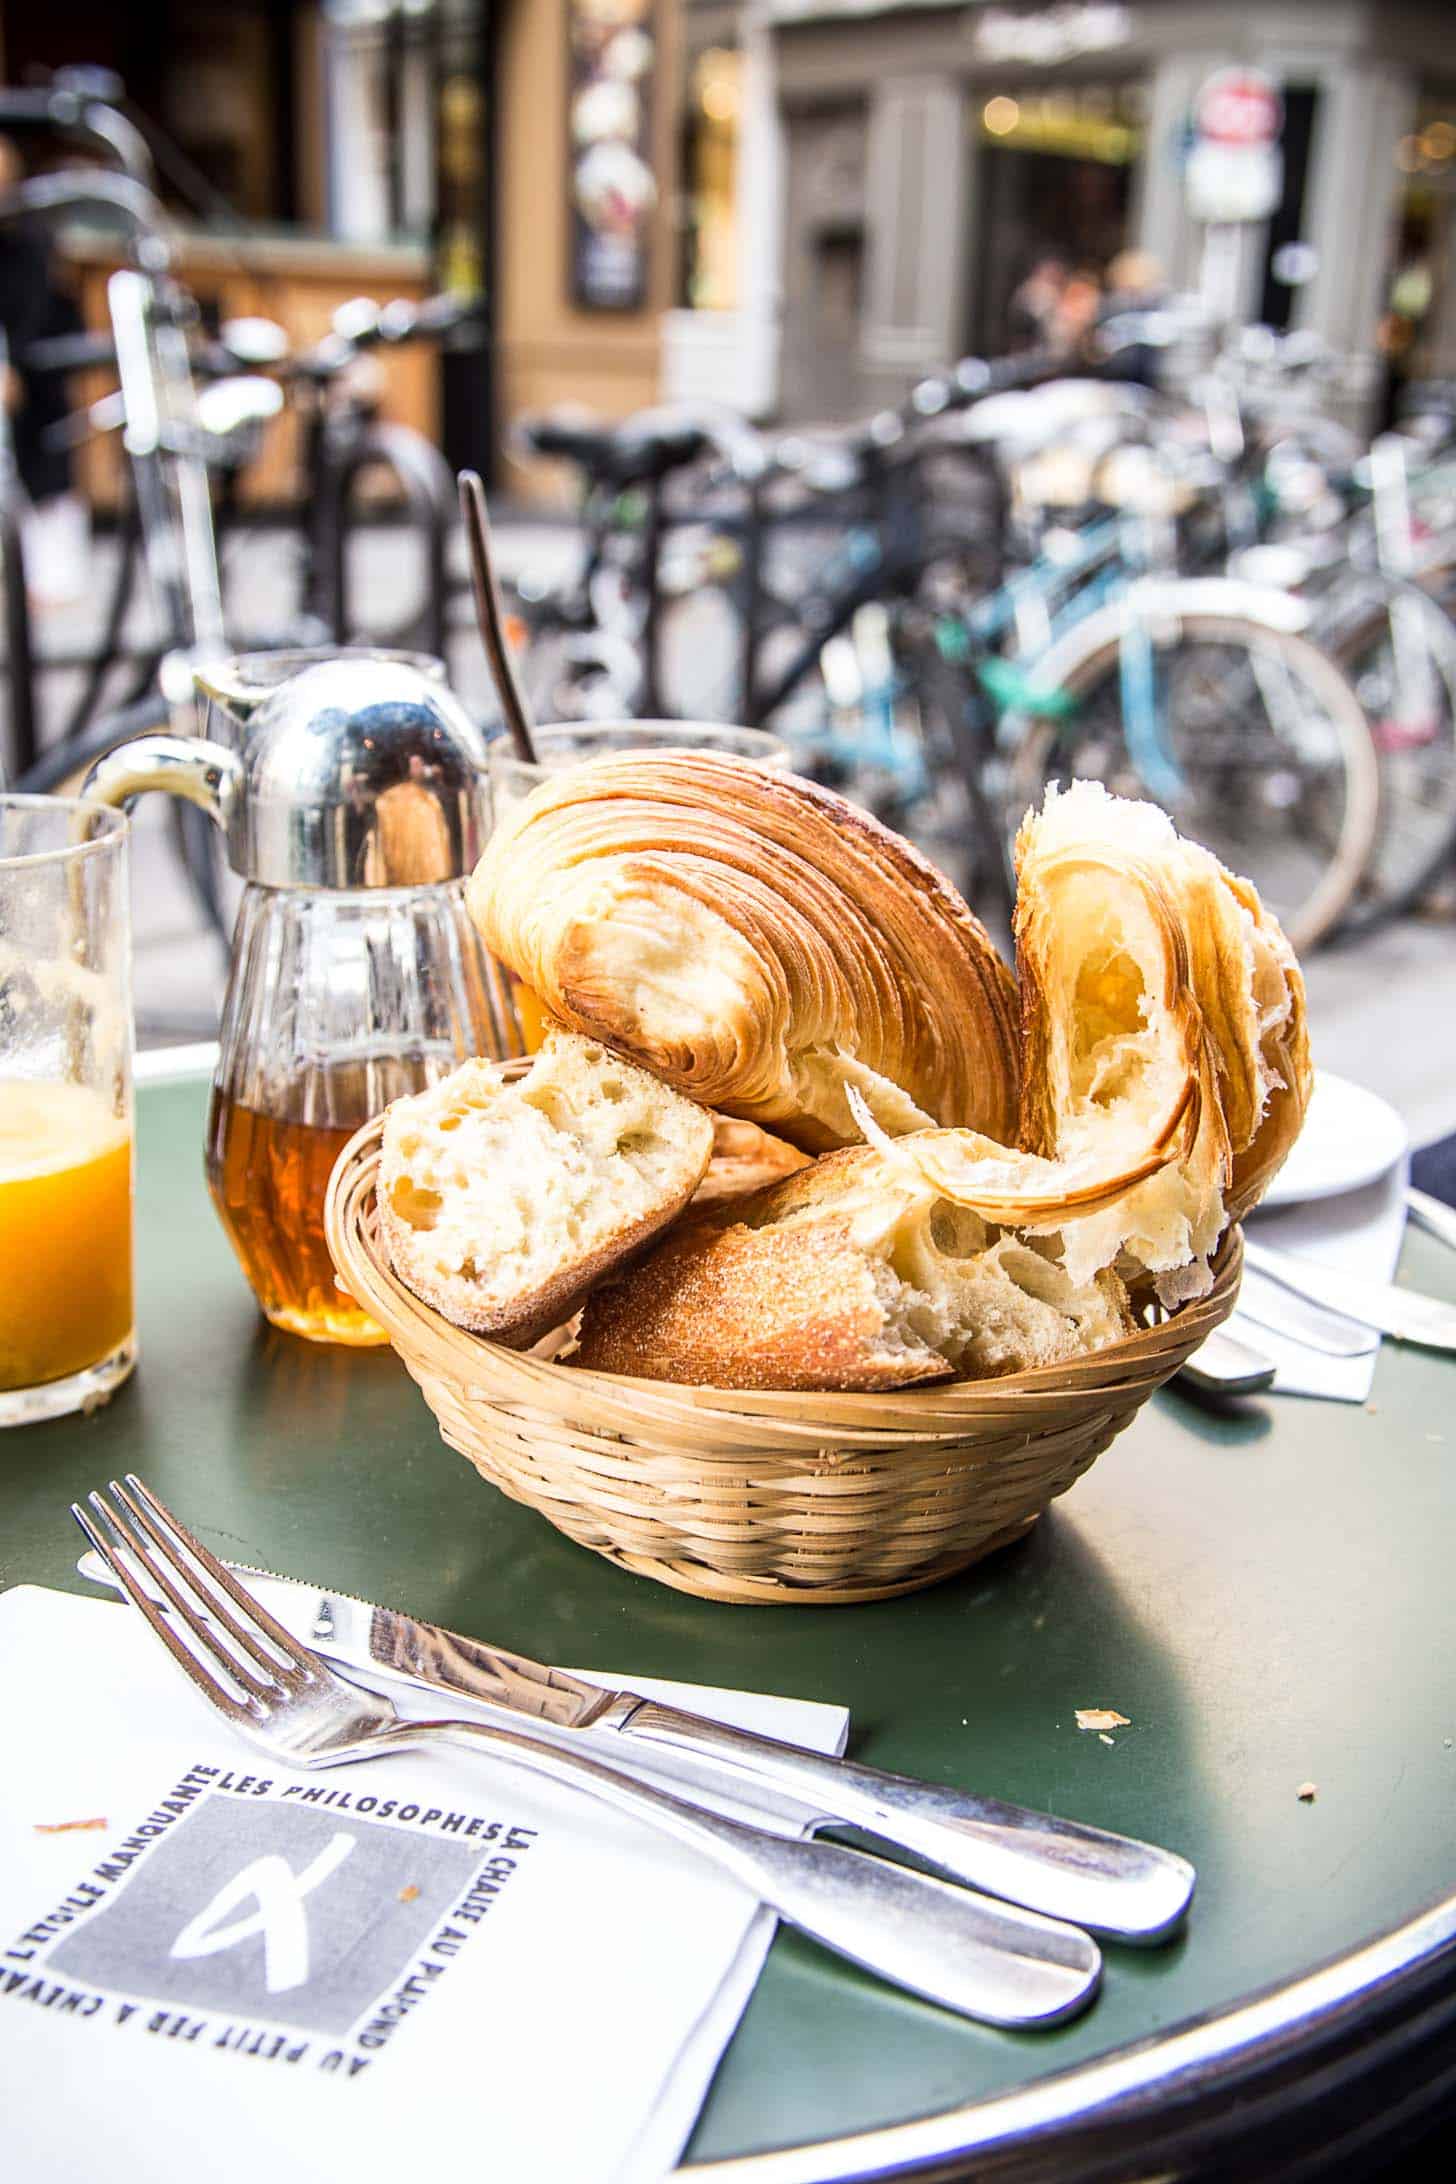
609, 148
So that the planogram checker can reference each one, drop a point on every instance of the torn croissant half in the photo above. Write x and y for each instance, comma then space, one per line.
1166, 1066
1153, 981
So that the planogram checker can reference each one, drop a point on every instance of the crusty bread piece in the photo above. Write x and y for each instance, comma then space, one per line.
759, 943
850, 1274
501, 1203
745, 1159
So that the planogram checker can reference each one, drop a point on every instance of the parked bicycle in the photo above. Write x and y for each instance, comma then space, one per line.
945, 670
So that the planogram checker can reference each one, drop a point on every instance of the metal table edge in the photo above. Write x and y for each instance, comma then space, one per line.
1207, 2079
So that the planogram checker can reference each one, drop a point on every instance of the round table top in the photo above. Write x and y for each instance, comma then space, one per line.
1265, 1591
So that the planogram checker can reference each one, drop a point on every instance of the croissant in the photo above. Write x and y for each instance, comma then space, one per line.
1161, 1005
1165, 1059
759, 943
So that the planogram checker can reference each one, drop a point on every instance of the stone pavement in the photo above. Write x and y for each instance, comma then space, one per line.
1383, 1007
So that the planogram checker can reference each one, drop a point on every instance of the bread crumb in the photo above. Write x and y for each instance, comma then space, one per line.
408, 1893
70, 1827
1105, 1739
1101, 1717
1372, 1408
1307, 1792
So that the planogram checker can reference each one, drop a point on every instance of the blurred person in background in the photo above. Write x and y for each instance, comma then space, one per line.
1078, 308
1032, 312
33, 308
1135, 282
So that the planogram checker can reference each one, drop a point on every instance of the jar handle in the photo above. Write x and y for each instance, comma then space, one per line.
203, 773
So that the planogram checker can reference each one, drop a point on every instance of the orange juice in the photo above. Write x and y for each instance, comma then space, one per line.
530, 1014
65, 1231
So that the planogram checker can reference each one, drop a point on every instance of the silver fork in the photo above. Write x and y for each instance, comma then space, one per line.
982, 1958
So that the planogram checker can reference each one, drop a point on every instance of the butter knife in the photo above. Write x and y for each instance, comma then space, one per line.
1284, 1313
1433, 1214
1109, 1883
1403, 1313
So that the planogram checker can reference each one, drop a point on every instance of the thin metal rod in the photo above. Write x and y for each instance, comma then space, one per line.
489, 615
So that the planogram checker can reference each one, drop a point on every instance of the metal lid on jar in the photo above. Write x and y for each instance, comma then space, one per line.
354, 769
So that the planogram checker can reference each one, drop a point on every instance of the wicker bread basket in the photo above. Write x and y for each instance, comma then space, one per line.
771, 1497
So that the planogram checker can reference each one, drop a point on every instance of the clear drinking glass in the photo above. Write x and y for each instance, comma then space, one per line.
572, 742
67, 1337
341, 1000
560, 744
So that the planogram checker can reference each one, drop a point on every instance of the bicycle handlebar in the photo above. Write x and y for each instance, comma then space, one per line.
73, 109
363, 325
140, 209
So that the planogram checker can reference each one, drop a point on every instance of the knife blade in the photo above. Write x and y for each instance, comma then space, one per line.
1118, 1886
1263, 1299
1403, 1313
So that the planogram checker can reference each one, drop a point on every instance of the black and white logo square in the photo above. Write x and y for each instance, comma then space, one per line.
289, 1913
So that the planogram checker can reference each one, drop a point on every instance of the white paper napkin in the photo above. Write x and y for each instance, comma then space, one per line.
211, 1963
1358, 1232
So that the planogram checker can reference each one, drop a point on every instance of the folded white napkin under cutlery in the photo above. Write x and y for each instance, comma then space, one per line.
211, 1963
1359, 1233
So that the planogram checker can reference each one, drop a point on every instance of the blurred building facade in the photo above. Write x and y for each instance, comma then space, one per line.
897, 168
794, 206
521, 153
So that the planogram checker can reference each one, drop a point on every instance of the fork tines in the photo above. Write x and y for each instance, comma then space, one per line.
134, 1532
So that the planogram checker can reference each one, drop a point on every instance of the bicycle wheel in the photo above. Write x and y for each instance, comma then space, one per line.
1266, 757
1405, 678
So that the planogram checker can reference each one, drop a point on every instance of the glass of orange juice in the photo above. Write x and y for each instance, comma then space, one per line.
67, 1338
560, 744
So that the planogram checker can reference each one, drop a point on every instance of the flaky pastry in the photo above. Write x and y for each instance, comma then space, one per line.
757, 942
1165, 1061
1160, 1003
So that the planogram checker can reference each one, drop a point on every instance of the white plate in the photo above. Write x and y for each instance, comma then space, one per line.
1350, 1137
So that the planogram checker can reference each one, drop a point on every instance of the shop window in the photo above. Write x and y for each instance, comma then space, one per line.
1301, 106
379, 72
1055, 170
1417, 331
710, 166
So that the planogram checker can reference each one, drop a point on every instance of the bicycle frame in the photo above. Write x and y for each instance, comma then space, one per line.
18, 657
161, 437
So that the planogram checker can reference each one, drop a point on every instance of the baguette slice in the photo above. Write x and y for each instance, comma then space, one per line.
500, 1204
851, 1274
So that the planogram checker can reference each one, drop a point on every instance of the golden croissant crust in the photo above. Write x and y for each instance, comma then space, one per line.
758, 942
1165, 1061
1161, 1006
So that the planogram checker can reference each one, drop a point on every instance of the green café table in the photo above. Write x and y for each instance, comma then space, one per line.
1266, 1593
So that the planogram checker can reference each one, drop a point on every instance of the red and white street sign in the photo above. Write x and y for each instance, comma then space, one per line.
1239, 106
1234, 171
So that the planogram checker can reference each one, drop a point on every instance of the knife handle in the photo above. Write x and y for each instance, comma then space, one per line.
1432, 1214
1112, 1884
984, 1959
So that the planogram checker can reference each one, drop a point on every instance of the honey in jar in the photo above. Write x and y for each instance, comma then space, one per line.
268, 1175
